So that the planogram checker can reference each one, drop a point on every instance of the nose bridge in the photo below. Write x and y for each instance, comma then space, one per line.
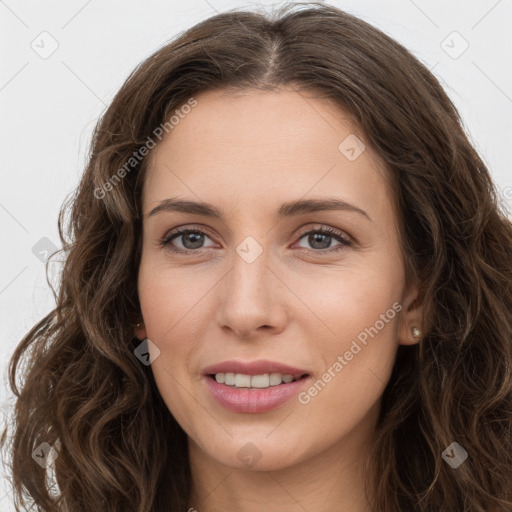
249, 276
249, 298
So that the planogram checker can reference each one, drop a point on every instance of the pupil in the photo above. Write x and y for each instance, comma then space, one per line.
195, 244
313, 240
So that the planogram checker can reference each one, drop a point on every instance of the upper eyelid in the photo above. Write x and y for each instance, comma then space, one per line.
187, 227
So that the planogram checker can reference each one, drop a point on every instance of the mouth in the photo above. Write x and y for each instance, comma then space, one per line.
255, 382
244, 393
253, 386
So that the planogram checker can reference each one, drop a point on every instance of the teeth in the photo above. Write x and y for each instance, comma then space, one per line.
275, 379
241, 380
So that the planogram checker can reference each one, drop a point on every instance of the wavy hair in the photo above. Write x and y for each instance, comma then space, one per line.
84, 392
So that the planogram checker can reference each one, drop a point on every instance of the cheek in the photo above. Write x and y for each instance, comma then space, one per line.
170, 297
355, 314
167, 300
347, 300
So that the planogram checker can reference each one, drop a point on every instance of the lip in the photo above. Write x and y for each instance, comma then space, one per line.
259, 367
245, 400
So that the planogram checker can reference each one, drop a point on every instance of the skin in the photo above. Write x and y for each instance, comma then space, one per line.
247, 153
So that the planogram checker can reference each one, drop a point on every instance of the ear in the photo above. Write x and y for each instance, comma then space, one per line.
140, 331
410, 318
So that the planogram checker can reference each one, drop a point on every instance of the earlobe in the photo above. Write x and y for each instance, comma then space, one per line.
411, 331
140, 331
414, 337
410, 335
416, 333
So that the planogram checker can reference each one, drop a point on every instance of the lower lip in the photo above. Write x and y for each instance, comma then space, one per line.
253, 400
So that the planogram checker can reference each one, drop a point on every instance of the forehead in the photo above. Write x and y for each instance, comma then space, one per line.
259, 146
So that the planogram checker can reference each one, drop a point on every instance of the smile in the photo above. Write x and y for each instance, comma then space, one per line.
240, 380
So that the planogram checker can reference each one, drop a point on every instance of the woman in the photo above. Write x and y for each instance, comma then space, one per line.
287, 287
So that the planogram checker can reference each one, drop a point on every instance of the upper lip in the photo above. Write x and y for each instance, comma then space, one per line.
259, 367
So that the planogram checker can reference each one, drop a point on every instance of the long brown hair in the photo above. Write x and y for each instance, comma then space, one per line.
84, 392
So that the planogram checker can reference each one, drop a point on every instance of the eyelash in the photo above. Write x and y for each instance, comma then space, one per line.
345, 242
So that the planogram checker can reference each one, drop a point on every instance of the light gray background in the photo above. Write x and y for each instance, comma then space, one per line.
49, 105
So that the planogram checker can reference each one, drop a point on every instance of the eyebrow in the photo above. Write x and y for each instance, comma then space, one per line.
289, 209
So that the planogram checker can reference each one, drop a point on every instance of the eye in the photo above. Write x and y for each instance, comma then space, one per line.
320, 239
192, 240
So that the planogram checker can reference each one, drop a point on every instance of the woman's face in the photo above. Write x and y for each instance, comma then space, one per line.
262, 282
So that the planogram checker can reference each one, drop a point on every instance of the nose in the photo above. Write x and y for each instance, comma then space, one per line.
252, 298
